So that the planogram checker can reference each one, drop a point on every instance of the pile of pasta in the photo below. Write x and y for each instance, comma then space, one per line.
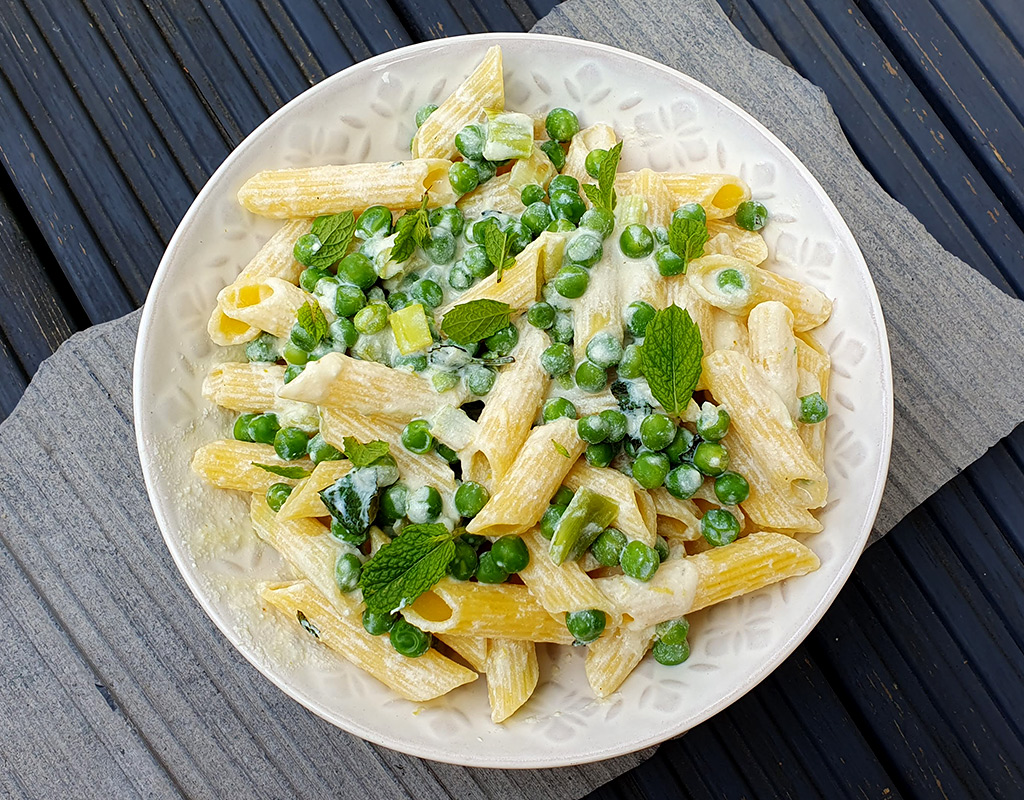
759, 359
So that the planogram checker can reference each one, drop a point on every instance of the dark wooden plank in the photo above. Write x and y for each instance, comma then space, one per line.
13, 379
1009, 19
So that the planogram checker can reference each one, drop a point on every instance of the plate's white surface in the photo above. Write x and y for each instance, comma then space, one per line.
365, 113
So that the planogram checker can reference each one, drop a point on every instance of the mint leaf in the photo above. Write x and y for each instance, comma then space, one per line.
496, 245
606, 176
406, 567
309, 627
687, 237
475, 320
560, 449
285, 472
353, 501
335, 234
593, 193
311, 317
363, 455
671, 357
411, 230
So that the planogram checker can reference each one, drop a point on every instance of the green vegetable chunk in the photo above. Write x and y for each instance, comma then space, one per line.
509, 135
813, 409
585, 626
409, 640
277, 494
719, 527
587, 514
353, 501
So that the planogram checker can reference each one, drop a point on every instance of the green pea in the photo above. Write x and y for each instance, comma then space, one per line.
348, 300
541, 315
590, 377
638, 316
264, 428
561, 124
444, 381
427, 292
374, 222
342, 534
600, 455
585, 249
680, 446
599, 220
719, 527
292, 371
731, 281
277, 494
294, 354
694, 211
460, 278
371, 319
549, 520
448, 217
417, 362
713, 422
376, 624
567, 205
311, 276
423, 505
439, 246
553, 150
423, 112
650, 469
557, 359
347, 571
711, 458
592, 429
357, 269
617, 424
242, 429
668, 262
479, 379
636, 241
343, 332
398, 300
473, 540
416, 437
562, 331
463, 565
291, 443
306, 247
561, 226
670, 654
661, 548
608, 546
532, 193
446, 452
321, 450
563, 496
604, 350
488, 570
463, 177
537, 217
470, 142
564, 183
470, 498
683, 481
731, 488
475, 259
393, 503
302, 338
751, 215
594, 160
585, 626
657, 431
485, 169
408, 640
639, 561
660, 234
510, 553
558, 407
630, 366
673, 631
519, 236
813, 409
502, 342
263, 348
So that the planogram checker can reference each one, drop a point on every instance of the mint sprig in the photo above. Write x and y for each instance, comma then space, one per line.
335, 233
475, 320
406, 567
364, 455
603, 194
671, 357
496, 245
311, 317
687, 237
411, 231
285, 472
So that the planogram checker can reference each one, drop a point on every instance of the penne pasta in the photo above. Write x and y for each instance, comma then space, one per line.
304, 501
773, 350
637, 517
559, 588
230, 464
512, 675
266, 304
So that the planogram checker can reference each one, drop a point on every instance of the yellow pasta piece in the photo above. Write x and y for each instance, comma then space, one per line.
773, 350
599, 309
748, 245
304, 501
613, 656
668, 506
512, 675
483, 89
744, 286
669, 594
748, 564
813, 367
728, 332
595, 137
267, 304
660, 201
429, 676
228, 464
492, 611
252, 387
637, 516
471, 648
559, 588
521, 285
676, 531
539, 469
497, 194
332, 189
718, 194
275, 259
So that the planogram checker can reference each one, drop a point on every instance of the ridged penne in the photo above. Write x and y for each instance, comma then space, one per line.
252, 387
267, 304
637, 516
512, 675
229, 464
613, 656
813, 368
718, 194
748, 245
595, 137
559, 588
773, 350
304, 501
473, 649
599, 309
498, 194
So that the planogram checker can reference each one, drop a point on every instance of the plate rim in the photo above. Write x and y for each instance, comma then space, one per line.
142, 367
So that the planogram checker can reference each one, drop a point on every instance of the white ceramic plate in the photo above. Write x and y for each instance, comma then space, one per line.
669, 121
